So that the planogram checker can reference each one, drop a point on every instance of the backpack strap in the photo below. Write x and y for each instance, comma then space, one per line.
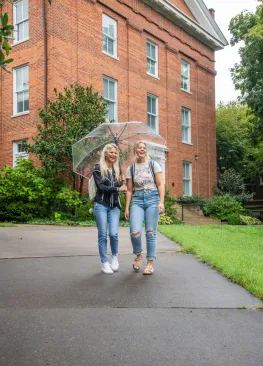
151, 166
132, 170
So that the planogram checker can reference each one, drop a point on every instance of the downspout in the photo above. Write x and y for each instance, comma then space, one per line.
45, 50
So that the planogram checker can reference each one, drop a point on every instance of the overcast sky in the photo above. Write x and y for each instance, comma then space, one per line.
225, 59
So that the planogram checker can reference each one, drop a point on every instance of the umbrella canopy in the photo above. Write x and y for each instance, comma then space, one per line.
86, 152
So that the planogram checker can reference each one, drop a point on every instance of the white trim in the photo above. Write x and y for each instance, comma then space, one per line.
151, 43
16, 154
15, 42
211, 36
189, 127
108, 54
115, 101
157, 111
19, 42
19, 114
261, 181
114, 38
190, 180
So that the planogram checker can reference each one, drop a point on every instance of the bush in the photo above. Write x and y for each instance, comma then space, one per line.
235, 219
85, 211
169, 203
27, 193
248, 220
165, 220
191, 199
222, 206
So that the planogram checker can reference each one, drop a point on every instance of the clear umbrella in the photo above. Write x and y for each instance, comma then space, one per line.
86, 152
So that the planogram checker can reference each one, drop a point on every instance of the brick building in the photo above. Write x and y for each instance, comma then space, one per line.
152, 59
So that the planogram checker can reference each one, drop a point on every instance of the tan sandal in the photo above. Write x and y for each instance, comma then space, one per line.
148, 270
137, 262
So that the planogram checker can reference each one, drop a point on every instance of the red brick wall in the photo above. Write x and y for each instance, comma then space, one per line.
75, 53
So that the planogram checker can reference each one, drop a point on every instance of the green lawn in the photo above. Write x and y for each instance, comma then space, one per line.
6, 224
236, 251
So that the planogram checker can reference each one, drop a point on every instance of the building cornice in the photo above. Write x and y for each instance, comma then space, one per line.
210, 35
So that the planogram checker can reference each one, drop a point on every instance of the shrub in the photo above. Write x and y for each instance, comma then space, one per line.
234, 219
27, 193
191, 199
169, 202
165, 220
85, 211
248, 220
222, 206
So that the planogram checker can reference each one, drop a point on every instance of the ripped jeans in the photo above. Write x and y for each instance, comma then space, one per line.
144, 207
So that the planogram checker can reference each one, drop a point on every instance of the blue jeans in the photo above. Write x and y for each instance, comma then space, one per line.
107, 217
144, 207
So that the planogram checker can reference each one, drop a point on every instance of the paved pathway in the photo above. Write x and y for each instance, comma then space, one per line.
56, 308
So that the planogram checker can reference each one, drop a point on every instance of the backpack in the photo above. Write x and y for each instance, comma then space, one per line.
151, 166
92, 189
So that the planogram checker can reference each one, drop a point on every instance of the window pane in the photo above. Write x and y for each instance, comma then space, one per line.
148, 49
19, 11
111, 90
186, 188
19, 79
154, 111
20, 103
26, 32
153, 56
104, 44
20, 31
149, 104
25, 77
110, 46
111, 31
111, 111
26, 104
25, 9
105, 88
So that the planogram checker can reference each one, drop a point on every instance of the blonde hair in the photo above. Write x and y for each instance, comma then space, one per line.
103, 164
135, 147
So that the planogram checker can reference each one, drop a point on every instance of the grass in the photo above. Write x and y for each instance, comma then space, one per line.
67, 222
235, 251
7, 224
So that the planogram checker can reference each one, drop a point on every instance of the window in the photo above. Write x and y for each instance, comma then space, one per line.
18, 152
21, 90
187, 179
21, 20
186, 125
110, 95
152, 112
152, 58
185, 75
109, 34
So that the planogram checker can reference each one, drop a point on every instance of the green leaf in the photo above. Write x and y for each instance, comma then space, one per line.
4, 20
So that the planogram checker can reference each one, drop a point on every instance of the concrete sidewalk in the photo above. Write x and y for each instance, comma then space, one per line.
56, 308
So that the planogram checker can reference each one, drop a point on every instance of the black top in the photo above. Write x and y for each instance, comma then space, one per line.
107, 188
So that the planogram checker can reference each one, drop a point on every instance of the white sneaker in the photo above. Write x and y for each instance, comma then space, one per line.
115, 263
106, 268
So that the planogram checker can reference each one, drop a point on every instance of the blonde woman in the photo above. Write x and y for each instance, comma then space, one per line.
107, 205
145, 195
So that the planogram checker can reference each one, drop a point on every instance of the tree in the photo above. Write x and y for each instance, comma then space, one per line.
72, 115
237, 146
6, 31
248, 75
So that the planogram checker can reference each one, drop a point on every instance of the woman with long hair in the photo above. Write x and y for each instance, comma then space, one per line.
108, 181
145, 195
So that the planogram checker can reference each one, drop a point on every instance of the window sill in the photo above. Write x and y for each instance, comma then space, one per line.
186, 91
153, 76
112, 56
19, 42
187, 143
20, 114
